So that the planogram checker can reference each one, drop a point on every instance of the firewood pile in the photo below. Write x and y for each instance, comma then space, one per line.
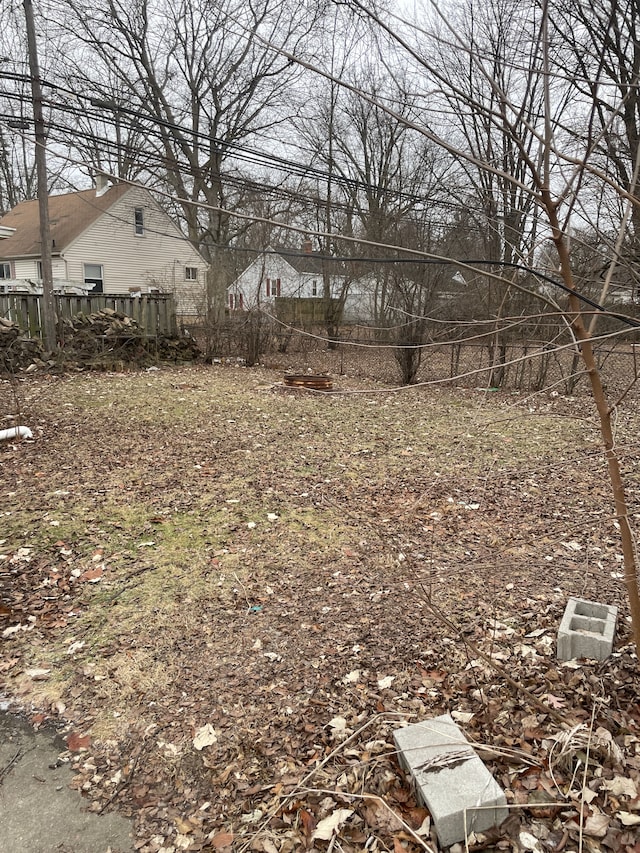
108, 339
17, 351
103, 340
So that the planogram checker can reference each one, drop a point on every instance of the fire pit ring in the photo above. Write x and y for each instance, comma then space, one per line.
312, 381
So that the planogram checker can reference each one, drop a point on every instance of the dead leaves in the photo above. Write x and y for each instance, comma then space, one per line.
380, 817
291, 614
92, 575
329, 826
221, 840
77, 742
205, 736
41, 595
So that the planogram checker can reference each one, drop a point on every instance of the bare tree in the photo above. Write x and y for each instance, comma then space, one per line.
500, 202
194, 79
385, 186
18, 181
603, 57
554, 171
17, 168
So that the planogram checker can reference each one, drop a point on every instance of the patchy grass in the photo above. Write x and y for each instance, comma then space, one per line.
192, 545
186, 482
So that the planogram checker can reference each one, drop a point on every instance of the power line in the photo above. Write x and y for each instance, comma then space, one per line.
240, 152
419, 259
417, 256
229, 178
238, 182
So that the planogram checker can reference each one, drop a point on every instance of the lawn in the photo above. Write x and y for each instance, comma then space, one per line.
231, 594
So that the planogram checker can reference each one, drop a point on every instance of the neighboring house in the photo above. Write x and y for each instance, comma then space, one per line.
283, 273
300, 275
112, 239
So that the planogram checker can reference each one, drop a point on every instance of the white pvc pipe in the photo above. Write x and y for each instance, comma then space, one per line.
15, 432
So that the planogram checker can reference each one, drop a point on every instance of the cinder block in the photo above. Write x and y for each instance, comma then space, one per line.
450, 779
587, 630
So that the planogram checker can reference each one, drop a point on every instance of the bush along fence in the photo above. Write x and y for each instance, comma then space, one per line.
525, 366
154, 312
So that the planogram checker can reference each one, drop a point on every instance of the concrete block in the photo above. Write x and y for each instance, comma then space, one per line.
587, 630
450, 779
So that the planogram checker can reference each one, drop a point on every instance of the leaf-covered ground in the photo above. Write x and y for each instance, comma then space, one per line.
231, 594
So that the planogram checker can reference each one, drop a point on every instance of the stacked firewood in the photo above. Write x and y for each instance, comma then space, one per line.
88, 335
103, 340
17, 351
111, 340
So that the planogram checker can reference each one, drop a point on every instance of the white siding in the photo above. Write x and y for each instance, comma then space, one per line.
157, 259
306, 285
29, 269
252, 282
360, 302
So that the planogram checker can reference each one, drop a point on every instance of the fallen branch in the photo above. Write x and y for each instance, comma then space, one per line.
301, 785
382, 802
12, 762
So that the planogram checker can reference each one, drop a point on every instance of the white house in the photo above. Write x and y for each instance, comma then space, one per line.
300, 274
112, 239
284, 273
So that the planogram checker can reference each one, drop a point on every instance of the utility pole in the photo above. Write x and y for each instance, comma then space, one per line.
48, 312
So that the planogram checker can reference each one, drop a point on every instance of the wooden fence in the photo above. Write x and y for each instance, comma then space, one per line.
154, 312
304, 310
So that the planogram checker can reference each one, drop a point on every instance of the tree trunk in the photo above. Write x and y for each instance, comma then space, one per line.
606, 430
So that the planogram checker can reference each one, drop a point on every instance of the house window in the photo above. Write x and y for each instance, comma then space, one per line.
235, 301
314, 288
138, 219
273, 287
5, 270
93, 278
191, 273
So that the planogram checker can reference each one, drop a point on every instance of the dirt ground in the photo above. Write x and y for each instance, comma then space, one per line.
228, 595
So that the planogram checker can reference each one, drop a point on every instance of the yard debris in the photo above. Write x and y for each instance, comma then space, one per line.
17, 350
109, 339
103, 340
314, 382
303, 696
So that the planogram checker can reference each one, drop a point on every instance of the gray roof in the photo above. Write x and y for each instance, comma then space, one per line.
312, 263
